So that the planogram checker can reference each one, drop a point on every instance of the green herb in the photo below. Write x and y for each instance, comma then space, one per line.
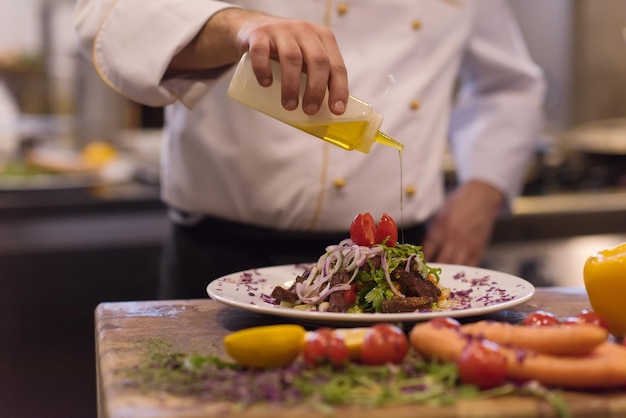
403, 251
210, 378
553, 397
377, 295
374, 288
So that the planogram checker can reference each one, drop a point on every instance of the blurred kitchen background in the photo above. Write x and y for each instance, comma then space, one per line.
81, 221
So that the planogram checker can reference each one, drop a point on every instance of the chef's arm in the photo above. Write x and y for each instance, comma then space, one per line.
132, 42
215, 45
495, 126
498, 116
156, 53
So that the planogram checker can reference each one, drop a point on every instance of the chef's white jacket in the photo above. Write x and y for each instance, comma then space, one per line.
462, 73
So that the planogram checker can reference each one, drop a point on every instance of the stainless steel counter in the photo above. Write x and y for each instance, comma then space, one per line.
548, 238
36, 221
564, 215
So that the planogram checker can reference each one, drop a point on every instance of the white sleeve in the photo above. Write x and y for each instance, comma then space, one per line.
498, 117
131, 43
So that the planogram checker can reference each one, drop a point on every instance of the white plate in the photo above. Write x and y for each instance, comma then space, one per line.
478, 291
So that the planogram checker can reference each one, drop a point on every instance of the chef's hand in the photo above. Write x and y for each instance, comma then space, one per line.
462, 229
298, 46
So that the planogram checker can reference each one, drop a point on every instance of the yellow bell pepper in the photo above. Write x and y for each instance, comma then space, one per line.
605, 280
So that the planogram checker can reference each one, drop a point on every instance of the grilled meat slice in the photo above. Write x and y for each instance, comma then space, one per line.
280, 294
408, 304
300, 279
336, 301
413, 284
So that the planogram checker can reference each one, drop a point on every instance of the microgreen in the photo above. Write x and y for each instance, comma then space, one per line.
210, 378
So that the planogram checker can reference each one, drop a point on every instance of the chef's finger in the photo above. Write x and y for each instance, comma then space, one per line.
259, 53
338, 74
318, 72
291, 67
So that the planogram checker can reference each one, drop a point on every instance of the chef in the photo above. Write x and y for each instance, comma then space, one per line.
247, 191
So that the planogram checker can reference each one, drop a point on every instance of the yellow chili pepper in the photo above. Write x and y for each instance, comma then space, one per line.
605, 280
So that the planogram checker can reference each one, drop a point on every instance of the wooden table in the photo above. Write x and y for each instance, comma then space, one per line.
200, 325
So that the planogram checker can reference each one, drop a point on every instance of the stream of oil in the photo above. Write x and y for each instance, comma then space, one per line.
401, 200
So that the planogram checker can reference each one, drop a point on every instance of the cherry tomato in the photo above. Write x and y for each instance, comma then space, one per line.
445, 322
541, 319
363, 229
349, 296
570, 320
325, 346
388, 230
587, 316
314, 350
482, 364
384, 343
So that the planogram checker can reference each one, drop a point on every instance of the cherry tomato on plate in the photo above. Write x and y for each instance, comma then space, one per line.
482, 364
324, 346
363, 230
349, 296
384, 343
541, 319
386, 230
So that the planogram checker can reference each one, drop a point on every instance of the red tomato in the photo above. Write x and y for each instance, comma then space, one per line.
349, 296
384, 343
587, 316
314, 350
362, 230
386, 229
325, 346
445, 322
482, 364
570, 320
541, 319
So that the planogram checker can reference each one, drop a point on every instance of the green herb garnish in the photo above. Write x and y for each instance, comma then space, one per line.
209, 378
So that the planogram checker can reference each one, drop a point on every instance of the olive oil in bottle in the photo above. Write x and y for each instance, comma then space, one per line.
357, 129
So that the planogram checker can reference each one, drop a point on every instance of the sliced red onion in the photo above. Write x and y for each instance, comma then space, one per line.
385, 266
409, 262
347, 256
336, 288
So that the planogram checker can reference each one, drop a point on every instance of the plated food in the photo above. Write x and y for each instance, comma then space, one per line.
371, 293
89, 159
44, 167
368, 272
473, 291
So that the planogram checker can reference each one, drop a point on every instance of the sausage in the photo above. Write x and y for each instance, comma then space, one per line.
559, 340
603, 367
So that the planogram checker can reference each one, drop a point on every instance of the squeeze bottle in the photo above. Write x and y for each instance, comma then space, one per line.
357, 129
